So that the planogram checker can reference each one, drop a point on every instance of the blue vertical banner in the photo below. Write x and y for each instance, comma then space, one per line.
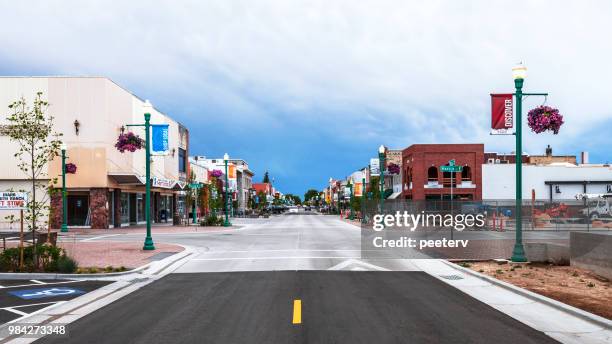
159, 139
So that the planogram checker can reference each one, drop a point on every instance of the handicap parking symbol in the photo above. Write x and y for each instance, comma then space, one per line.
40, 293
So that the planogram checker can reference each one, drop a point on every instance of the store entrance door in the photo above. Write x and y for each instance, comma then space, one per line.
78, 210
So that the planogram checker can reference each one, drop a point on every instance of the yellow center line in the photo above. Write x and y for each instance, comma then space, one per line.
297, 311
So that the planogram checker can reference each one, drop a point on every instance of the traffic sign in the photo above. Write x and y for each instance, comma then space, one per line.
451, 167
40, 293
195, 185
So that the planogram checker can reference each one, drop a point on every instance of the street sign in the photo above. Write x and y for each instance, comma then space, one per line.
451, 167
45, 292
195, 185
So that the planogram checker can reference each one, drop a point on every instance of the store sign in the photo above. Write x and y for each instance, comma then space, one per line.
231, 171
358, 189
502, 116
13, 200
162, 183
159, 139
374, 167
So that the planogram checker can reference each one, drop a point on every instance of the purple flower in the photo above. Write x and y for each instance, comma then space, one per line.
129, 142
216, 173
544, 118
71, 168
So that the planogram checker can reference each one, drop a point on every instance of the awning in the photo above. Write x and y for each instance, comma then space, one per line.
126, 178
394, 195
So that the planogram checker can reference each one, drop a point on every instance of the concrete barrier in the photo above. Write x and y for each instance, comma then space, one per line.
592, 251
546, 252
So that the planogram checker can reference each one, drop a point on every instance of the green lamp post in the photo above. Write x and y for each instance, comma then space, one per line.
381, 158
363, 198
519, 73
64, 193
148, 243
226, 223
350, 186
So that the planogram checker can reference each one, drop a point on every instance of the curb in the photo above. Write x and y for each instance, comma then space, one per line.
51, 275
590, 317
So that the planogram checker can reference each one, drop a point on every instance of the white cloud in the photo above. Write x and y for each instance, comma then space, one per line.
411, 70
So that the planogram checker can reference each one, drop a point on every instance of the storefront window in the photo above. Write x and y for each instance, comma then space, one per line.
140, 204
125, 208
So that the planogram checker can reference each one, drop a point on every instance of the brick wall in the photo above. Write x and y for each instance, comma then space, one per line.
416, 160
98, 198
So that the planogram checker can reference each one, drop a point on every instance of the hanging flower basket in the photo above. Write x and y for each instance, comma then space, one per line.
71, 168
393, 168
544, 118
216, 173
129, 142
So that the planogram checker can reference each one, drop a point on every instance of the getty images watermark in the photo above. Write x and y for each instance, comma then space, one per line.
427, 233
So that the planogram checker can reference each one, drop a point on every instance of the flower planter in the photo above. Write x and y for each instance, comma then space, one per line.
544, 118
129, 142
71, 168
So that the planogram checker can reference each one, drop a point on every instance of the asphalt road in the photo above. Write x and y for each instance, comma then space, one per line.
337, 307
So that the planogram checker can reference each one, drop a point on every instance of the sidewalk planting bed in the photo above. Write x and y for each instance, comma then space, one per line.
574, 286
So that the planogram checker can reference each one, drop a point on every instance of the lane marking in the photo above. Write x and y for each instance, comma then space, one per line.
37, 281
9, 309
99, 237
297, 311
269, 258
49, 283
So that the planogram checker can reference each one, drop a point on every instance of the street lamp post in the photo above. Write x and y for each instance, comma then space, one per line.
148, 244
363, 198
226, 223
350, 185
64, 193
381, 158
519, 73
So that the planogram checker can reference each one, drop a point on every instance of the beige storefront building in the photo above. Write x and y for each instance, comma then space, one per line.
108, 188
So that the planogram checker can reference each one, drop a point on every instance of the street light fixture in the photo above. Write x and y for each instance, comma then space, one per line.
226, 223
519, 72
147, 108
64, 228
381, 158
350, 186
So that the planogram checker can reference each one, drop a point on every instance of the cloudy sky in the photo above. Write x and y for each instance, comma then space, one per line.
310, 89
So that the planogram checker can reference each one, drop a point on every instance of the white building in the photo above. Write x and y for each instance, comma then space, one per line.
108, 187
556, 181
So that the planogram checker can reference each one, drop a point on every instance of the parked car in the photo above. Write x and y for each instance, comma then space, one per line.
293, 209
598, 207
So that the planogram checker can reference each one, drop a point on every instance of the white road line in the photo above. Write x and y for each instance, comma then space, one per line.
99, 237
36, 304
37, 281
270, 258
36, 312
9, 309
29, 285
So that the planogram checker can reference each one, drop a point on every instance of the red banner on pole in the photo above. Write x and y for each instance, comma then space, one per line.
502, 116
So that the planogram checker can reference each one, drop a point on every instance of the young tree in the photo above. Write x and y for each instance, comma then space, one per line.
32, 129
266, 178
310, 195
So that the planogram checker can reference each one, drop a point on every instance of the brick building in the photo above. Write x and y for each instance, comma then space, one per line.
422, 178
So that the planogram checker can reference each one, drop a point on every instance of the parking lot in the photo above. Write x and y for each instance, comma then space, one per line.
19, 298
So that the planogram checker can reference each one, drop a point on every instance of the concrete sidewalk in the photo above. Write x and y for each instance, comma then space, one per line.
559, 321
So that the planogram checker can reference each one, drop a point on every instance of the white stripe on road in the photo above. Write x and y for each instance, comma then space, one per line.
37, 281
271, 258
29, 285
100, 237
9, 309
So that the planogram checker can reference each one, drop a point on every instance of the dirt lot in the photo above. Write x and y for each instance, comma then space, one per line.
573, 286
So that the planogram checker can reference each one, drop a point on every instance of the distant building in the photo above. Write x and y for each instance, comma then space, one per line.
547, 158
423, 180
